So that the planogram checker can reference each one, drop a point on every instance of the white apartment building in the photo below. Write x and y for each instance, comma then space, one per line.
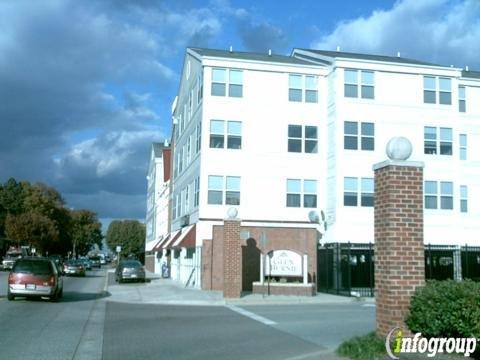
279, 136
158, 193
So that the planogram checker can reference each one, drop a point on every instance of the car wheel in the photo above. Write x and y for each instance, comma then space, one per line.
10, 297
54, 297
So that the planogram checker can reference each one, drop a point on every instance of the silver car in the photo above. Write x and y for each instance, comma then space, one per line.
131, 270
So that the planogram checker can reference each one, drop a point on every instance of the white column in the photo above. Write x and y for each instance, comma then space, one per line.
305, 270
262, 268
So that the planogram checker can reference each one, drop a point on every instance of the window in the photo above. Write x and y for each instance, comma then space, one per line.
463, 147
434, 144
366, 80
189, 149
220, 84
174, 208
431, 193
200, 89
217, 134
186, 207
367, 192
303, 87
179, 206
232, 195
295, 191
461, 99
196, 200
433, 85
199, 137
298, 135
350, 191
216, 186
351, 138
463, 199
215, 190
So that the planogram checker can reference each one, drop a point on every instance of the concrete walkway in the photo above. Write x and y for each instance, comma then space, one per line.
166, 291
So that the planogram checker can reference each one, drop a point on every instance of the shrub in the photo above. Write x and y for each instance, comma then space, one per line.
368, 347
446, 309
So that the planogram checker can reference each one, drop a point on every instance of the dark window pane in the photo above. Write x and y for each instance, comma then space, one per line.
294, 145
311, 146
350, 128
310, 132
446, 202
350, 143
350, 199
216, 141
234, 142
445, 98
445, 148
461, 106
367, 200
310, 201
294, 131
463, 206
351, 91
429, 97
232, 198
311, 96
430, 202
218, 89
293, 200
430, 147
368, 129
235, 90
368, 92
368, 143
215, 197
294, 95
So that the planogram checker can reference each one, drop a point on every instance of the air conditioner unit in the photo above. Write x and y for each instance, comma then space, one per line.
184, 220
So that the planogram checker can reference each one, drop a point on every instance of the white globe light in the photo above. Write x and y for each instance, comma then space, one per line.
232, 213
399, 148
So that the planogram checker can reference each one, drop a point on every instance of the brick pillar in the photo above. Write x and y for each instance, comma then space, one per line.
232, 259
399, 246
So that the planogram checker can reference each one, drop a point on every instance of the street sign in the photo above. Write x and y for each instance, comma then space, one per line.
119, 248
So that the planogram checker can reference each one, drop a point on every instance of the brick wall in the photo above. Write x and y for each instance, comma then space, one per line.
399, 249
232, 259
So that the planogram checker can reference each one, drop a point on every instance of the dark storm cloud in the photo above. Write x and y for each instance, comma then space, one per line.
261, 37
70, 69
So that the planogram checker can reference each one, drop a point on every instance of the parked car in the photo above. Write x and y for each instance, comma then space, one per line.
74, 267
35, 277
86, 262
130, 270
95, 261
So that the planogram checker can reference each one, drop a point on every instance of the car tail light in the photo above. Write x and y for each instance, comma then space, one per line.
51, 281
11, 278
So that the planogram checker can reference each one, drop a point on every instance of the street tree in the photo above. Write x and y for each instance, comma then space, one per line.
86, 231
129, 234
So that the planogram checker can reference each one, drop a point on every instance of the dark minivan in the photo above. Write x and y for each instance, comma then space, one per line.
35, 277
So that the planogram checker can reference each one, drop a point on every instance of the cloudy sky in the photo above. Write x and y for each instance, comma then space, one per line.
86, 86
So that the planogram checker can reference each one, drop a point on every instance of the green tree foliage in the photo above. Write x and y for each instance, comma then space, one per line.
35, 214
129, 234
86, 230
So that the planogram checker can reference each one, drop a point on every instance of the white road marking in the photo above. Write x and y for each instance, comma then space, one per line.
251, 315
369, 305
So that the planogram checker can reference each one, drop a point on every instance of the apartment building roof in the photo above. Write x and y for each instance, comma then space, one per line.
249, 56
471, 74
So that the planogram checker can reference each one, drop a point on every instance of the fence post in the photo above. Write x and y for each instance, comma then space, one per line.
457, 264
466, 262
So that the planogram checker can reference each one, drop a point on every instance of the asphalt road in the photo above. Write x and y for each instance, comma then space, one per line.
39, 329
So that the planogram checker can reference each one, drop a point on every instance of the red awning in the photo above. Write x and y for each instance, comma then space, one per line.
158, 246
173, 236
187, 239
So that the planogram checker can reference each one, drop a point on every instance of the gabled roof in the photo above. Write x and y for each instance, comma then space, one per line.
369, 57
471, 74
226, 54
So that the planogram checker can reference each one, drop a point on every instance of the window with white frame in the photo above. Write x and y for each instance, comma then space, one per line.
438, 190
179, 205
186, 206
352, 192
196, 200
355, 79
174, 208
462, 106
303, 87
438, 140
200, 89
353, 140
433, 85
297, 188
463, 146
302, 138
217, 185
224, 80
463, 198
199, 137
233, 134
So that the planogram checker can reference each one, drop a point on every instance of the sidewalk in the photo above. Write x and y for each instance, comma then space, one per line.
166, 291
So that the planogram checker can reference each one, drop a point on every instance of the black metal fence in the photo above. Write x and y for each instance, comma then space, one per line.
349, 269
